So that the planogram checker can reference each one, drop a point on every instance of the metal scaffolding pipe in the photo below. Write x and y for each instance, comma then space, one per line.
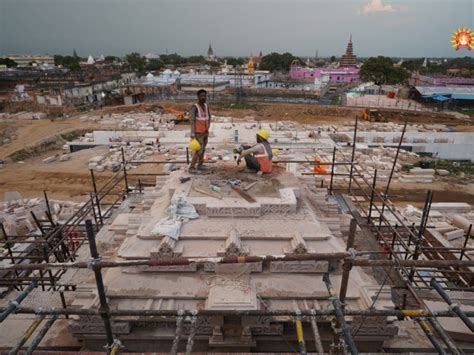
37, 340
104, 307
245, 259
412, 313
430, 336
444, 336
347, 266
300, 336
16, 303
454, 306
28, 333
346, 331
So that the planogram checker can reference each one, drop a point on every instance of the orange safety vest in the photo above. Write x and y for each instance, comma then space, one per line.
202, 119
264, 159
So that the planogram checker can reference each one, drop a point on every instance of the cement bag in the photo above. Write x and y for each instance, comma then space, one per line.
181, 209
168, 227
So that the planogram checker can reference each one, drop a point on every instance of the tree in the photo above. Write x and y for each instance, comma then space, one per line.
333, 59
69, 62
172, 59
412, 64
155, 64
234, 61
110, 58
197, 59
381, 71
136, 61
8, 62
277, 62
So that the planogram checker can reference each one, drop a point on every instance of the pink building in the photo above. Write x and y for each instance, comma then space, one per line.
348, 72
334, 75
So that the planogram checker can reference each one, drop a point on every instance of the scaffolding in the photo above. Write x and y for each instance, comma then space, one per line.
411, 259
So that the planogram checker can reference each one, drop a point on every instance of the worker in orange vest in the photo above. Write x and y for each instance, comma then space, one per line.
259, 157
200, 123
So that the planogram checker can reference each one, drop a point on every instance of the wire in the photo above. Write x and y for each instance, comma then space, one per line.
375, 299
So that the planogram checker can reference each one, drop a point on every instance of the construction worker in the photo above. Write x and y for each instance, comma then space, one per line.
200, 123
259, 157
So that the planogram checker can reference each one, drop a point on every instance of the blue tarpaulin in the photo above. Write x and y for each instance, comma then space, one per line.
440, 98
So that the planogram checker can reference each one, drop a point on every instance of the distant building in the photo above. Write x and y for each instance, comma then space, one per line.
348, 59
26, 60
210, 54
346, 73
426, 80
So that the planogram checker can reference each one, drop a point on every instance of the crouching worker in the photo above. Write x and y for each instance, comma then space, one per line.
259, 157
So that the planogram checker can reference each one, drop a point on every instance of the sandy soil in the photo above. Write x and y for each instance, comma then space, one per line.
31, 132
71, 179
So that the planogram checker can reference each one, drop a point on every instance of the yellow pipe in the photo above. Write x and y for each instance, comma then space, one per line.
299, 336
425, 326
415, 313
115, 349
31, 329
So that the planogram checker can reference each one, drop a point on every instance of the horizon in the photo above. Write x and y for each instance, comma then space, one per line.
413, 29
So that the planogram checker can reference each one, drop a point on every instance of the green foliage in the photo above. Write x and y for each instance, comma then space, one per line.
172, 59
155, 64
335, 100
69, 62
136, 61
21, 155
110, 59
413, 64
197, 59
213, 64
277, 62
454, 167
381, 71
8, 62
333, 59
467, 111
234, 61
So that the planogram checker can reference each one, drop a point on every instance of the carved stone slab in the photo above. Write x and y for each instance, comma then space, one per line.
95, 325
234, 211
252, 267
171, 268
299, 266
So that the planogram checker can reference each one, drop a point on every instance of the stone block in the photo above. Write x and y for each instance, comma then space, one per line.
456, 234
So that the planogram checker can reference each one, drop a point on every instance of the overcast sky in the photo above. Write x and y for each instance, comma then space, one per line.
406, 28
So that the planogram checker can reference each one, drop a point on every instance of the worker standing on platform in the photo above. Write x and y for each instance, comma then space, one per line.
259, 157
200, 124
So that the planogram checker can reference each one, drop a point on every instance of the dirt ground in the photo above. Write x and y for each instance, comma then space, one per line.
30, 132
71, 180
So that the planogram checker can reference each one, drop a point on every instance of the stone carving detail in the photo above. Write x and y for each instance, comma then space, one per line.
374, 326
234, 211
270, 329
246, 336
297, 245
252, 267
277, 208
262, 326
166, 249
203, 326
233, 246
95, 324
217, 336
171, 268
299, 266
